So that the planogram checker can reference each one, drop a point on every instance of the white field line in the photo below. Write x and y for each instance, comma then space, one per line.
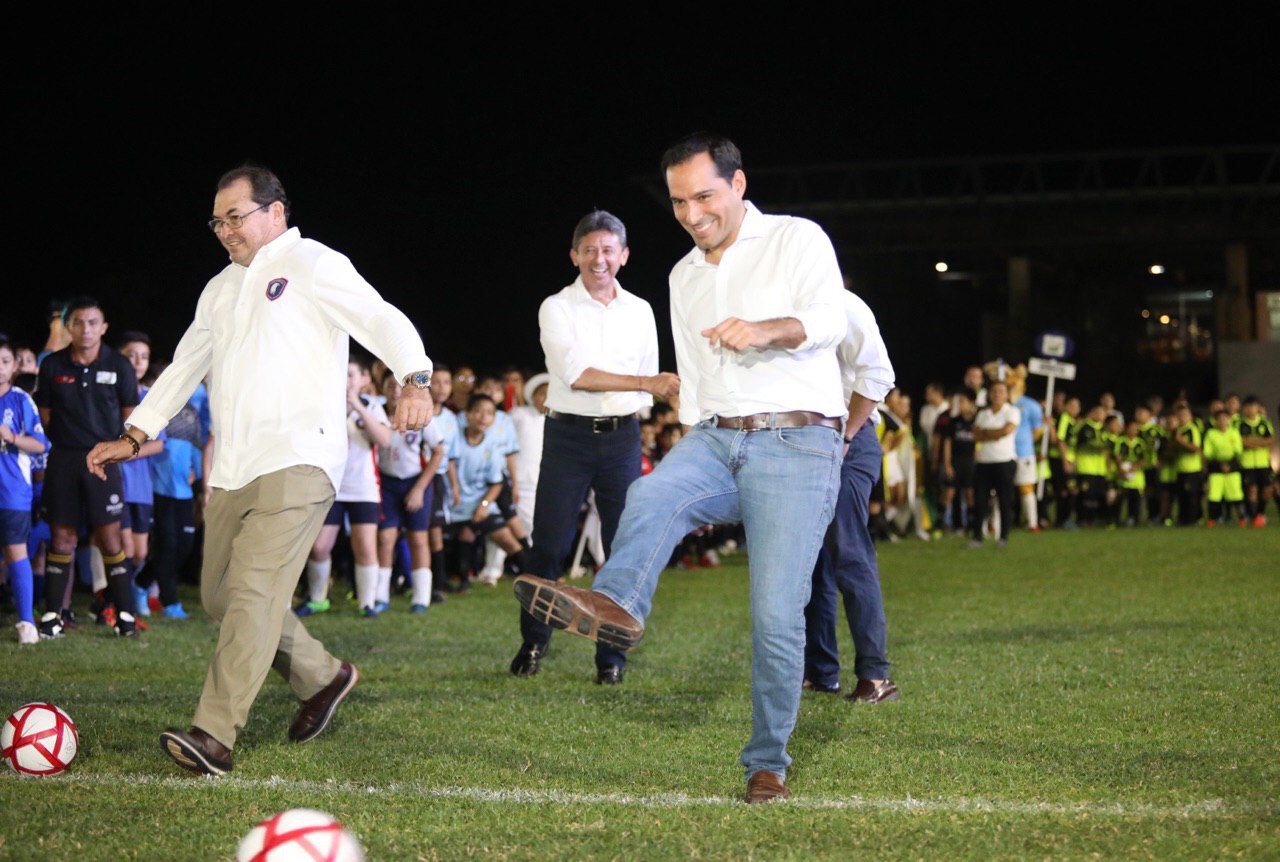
1203, 809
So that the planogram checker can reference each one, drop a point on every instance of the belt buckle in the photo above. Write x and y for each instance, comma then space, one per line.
601, 424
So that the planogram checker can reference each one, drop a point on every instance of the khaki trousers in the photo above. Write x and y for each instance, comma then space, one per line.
256, 543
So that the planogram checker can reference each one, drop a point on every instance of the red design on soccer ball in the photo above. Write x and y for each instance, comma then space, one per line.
302, 838
45, 729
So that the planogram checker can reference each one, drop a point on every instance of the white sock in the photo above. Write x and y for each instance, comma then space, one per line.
98, 568
421, 587
494, 556
1029, 510
384, 584
318, 579
366, 585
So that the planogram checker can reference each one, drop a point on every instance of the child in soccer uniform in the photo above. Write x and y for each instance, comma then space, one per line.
173, 471
476, 470
1256, 436
408, 466
958, 458
21, 437
1131, 461
135, 475
1188, 461
1222, 450
358, 498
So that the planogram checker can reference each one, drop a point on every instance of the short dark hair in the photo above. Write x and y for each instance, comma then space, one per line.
134, 335
81, 302
967, 392
599, 220
477, 397
361, 359
723, 152
1248, 399
267, 188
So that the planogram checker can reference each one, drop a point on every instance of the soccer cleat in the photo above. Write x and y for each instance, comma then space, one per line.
369, 613
140, 601
418, 609
1259, 520
175, 611
50, 626
125, 625
306, 609
1244, 522
1211, 523
382, 607
27, 633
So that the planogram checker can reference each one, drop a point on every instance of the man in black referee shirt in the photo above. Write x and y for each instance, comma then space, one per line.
85, 393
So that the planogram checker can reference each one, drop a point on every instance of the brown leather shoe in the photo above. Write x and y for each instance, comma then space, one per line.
582, 612
874, 692
196, 750
766, 786
315, 712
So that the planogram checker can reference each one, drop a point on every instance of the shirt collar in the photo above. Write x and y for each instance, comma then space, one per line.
580, 294
278, 246
752, 227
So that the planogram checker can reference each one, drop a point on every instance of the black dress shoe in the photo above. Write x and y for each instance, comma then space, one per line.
610, 674
528, 659
834, 688
196, 750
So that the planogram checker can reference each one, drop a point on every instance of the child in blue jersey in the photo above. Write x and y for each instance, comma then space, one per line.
476, 470
173, 471
135, 475
21, 436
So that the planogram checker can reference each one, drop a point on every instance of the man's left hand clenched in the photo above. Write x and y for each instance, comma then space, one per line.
414, 411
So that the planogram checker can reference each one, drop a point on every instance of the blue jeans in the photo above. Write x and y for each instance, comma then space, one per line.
848, 562
574, 460
781, 484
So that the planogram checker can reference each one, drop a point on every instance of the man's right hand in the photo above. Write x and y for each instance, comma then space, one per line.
664, 385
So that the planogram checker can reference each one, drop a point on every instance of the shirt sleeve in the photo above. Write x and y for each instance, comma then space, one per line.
555, 331
817, 287
31, 424
864, 360
686, 358
191, 362
351, 304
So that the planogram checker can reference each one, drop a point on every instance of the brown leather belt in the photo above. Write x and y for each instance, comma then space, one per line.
761, 421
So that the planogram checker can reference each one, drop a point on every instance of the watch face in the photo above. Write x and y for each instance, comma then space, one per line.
420, 379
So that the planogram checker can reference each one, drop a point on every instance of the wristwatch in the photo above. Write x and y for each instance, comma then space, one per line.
418, 380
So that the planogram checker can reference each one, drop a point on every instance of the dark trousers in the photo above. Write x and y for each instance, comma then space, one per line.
173, 532
848, 563
986, 478
1190, 487
576, 459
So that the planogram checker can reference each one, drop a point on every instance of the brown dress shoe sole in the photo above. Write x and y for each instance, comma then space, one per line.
547, 604
185, 752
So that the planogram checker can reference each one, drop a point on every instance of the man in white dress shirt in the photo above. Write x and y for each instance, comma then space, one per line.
601, 346
272, 331
757, 312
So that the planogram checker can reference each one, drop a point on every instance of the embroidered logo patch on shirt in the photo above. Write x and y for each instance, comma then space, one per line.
275, 287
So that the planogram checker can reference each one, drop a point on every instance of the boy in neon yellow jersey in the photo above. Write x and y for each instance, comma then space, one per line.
1257, 433
1222, 450
1189, 461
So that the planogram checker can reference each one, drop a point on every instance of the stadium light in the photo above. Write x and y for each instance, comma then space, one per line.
1156, 269
940, 266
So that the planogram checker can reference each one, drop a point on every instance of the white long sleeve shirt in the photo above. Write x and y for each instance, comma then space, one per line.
778, 267
864, 360
578, 333
273, 336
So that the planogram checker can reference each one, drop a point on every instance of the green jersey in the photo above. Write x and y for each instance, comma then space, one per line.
1256, 457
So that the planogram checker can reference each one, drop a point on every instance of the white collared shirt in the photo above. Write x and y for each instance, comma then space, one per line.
1001, 450
864, 360
273, 336
578, 333
778, 266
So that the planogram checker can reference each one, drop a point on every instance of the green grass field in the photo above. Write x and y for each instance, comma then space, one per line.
1090, 695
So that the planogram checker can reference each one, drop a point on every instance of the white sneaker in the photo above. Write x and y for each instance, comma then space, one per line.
27, 633
490, 577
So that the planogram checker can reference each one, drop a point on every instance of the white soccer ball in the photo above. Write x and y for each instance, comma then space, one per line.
39, 739
299, 835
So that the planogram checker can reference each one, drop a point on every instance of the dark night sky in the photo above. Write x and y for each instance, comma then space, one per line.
450, 162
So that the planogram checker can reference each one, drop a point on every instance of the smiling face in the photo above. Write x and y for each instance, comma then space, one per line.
707, 205
598, 257
261, 224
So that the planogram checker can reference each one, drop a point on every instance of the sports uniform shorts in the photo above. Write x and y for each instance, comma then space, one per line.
1257, 477
394, 513
15, 526
137, 517
356, 512
963, 470
1024, 473
74, 497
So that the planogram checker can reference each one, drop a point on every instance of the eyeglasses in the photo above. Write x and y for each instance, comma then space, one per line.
234, 221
